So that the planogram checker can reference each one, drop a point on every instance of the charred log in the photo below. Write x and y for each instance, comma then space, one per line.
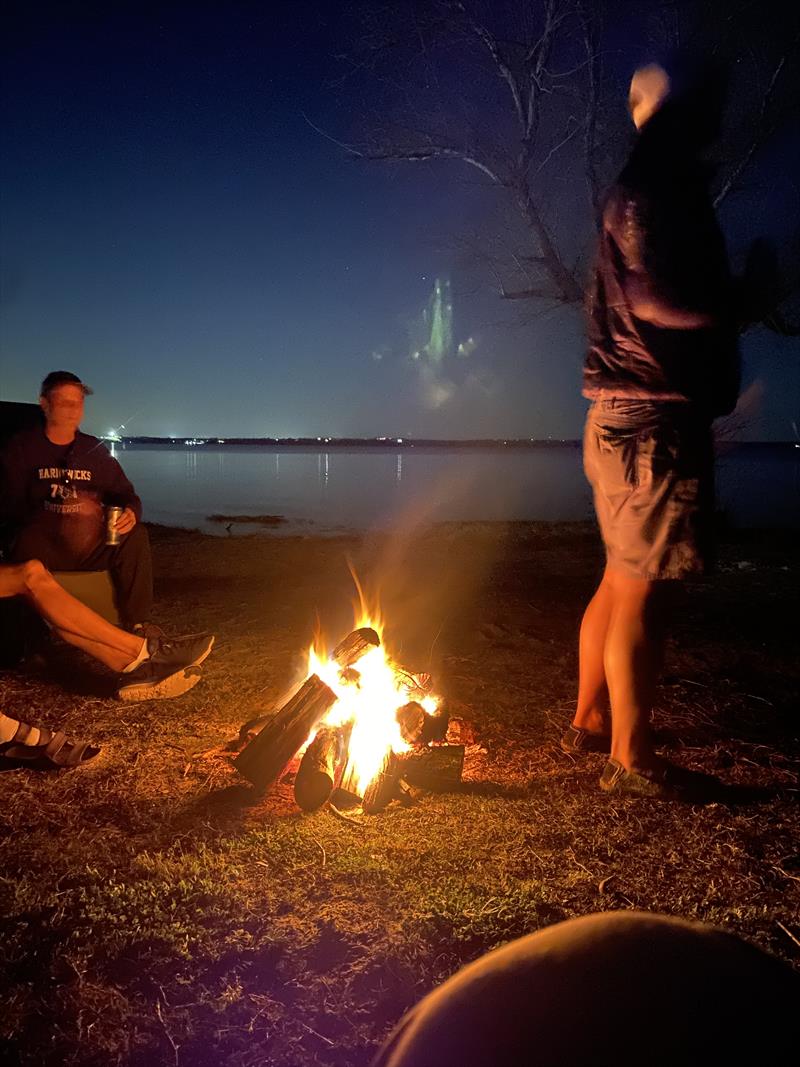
353, 647
437, 770
411, 720
384, 786
316, 776
263, 759
434, 728
416, 685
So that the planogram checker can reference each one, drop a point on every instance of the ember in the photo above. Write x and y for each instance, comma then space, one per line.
366, 729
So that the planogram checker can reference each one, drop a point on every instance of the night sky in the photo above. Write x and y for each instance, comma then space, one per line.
177, 233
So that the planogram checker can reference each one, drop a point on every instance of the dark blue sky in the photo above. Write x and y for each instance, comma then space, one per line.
174, 231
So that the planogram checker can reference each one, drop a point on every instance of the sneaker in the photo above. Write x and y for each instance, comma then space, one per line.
664, 782
576, 741
170, 671
147, 630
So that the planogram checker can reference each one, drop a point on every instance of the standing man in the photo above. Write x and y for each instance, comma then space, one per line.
662, 364
56, 481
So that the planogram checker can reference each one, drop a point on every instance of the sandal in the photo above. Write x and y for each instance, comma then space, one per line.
666, 781
576, 741
53, 752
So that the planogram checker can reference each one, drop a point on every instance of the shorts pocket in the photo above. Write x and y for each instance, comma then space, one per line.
617, 453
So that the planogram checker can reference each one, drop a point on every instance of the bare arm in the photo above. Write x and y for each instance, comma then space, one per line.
646, 304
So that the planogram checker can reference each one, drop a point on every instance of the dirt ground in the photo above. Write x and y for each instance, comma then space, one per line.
154, 910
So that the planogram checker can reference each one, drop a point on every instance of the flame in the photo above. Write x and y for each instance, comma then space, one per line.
368, 698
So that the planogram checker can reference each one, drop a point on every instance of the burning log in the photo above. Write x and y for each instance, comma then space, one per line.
424, 770
437, 770
411, 720
317, 773
353, 647
417, 727
263, 760
265, 757
384, 786
416, 684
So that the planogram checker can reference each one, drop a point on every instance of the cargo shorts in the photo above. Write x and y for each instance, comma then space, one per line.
650, 465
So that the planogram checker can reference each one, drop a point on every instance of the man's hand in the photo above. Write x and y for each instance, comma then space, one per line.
126, 522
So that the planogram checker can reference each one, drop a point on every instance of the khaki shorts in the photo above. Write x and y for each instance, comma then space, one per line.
650, 464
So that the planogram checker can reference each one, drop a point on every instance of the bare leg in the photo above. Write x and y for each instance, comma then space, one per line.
632, 659
592, 712
73, 621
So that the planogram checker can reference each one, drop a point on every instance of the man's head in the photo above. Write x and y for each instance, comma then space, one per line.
61, 399
691, 91
649, 89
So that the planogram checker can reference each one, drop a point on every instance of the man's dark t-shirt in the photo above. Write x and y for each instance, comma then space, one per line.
60, 488
658, 222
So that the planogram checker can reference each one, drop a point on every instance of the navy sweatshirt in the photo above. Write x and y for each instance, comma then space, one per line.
41, 482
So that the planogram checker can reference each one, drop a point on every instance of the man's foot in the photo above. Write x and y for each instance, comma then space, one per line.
577, 741
147, 630
664, 781
49, 751
169, 671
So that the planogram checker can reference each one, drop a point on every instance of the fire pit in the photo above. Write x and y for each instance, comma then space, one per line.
366, 730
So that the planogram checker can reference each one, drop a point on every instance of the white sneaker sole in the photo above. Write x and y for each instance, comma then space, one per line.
206, 654
174, 685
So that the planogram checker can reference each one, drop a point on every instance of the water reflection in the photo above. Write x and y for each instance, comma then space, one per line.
757, 486
323, 468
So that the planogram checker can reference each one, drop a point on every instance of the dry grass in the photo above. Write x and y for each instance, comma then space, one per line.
156, 912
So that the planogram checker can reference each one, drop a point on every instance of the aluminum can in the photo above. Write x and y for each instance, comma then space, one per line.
112, 535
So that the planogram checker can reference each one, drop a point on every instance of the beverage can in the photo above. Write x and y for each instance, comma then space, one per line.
112, 534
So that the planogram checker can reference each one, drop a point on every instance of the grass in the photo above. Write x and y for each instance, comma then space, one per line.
155, 911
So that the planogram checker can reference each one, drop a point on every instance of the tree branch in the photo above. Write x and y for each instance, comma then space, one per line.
760, 134
529, 294
499, 60
410, 155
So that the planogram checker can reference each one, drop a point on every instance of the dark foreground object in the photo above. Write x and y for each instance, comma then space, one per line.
618, 987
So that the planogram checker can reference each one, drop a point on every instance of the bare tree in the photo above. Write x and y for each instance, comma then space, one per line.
529, 96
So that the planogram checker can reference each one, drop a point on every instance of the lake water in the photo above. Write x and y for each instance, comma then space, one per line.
347, 489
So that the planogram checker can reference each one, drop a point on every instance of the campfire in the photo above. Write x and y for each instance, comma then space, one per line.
364, 729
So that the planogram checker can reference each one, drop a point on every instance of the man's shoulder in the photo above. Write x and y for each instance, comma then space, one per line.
25, 439
88, 445
87, 440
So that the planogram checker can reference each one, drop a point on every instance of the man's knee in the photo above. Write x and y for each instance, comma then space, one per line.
33, 575
137, 540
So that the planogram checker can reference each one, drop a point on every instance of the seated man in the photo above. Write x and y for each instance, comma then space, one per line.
148, 668
54, 484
